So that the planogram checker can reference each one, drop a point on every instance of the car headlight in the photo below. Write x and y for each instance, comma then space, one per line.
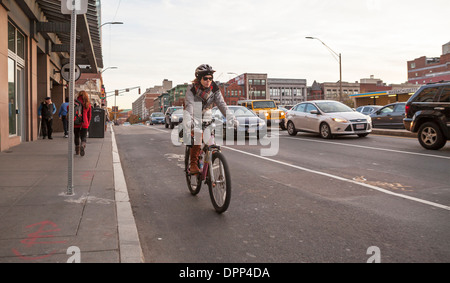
339, 120
174, 117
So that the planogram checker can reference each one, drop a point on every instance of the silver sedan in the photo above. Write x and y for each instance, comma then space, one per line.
327, 118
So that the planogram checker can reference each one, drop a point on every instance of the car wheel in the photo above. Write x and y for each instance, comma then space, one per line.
325, 131
291, 129
362, 135
282, 126
431, 137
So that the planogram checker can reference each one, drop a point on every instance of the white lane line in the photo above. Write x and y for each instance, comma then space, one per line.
371, 148
156, 129
344, 179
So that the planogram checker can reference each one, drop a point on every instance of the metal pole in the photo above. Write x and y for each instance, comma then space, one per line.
340, 75
71, 100
115, 108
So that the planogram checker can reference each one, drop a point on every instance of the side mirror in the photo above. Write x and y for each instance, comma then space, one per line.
315, 112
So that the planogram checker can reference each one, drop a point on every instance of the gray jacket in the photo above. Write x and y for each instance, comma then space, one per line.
215, 98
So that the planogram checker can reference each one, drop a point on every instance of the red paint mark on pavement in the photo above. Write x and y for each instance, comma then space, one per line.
40, 237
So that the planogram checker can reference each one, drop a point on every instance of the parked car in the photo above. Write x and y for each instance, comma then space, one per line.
168, 114
368, 109
428, 114
157, 118
249, 122
390, 116
176, 118
327, 118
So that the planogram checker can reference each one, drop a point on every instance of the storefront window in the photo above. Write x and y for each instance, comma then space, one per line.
12, 97
20, 45
11, 38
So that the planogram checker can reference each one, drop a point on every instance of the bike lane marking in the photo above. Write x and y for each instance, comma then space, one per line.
343, 179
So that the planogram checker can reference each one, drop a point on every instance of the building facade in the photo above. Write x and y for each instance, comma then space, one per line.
425, 70
287, 91
34, 45
177, 95
332, 91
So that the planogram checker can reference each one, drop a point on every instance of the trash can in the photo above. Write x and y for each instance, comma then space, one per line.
97, 126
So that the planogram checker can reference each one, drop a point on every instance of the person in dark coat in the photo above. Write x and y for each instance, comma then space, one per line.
46, 111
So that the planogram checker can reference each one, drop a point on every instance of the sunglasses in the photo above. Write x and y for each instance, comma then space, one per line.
207, 78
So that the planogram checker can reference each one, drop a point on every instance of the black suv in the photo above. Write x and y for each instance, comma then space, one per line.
428, 114
167, 120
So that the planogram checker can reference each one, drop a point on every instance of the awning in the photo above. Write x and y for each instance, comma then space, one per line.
89, 49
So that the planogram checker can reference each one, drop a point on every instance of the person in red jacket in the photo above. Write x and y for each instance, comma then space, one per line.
81, 131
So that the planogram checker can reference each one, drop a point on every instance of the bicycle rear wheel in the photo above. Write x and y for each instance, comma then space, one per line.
194, 182
220, 189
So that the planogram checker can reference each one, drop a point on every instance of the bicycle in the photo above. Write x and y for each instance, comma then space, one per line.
214, 172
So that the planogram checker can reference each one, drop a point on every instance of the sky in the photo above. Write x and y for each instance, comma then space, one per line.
168, 39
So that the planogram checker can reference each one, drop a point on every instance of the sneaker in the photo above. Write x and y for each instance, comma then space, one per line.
50, 138
66, 136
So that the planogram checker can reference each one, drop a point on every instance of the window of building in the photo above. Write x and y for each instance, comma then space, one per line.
413, 65
16, 81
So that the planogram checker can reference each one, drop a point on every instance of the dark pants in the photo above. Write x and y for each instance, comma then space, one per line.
65, 125
80, 134
47, 127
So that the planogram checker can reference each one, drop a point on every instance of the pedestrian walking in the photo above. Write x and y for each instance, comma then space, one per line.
46, 111
81, 130
63, 117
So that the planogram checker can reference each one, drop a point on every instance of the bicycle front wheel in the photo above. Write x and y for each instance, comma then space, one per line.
220, 187
194, 182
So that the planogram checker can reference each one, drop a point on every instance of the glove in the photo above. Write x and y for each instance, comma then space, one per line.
232, 123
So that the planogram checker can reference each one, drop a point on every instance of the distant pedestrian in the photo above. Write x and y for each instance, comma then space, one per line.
81, 131
46, 111
63, 117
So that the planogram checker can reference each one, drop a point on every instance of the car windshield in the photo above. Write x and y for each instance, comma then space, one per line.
263, 104
333, 107
157, 115
241, 112
178, 112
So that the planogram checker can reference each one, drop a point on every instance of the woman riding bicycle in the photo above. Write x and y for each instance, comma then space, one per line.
201, 97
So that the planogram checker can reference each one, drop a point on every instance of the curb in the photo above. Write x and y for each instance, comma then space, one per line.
129, 244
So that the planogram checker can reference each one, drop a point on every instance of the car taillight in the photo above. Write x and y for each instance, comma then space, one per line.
407, 108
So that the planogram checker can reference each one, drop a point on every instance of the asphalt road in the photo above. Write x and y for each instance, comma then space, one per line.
342, 200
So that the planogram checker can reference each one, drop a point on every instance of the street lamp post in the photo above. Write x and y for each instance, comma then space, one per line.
108, 68
112, 23
340, 65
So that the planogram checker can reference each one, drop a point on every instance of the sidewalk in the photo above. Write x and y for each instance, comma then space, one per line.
40, 223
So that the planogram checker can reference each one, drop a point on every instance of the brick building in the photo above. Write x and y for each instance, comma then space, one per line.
425, 70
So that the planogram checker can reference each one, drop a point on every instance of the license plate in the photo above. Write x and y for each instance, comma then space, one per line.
251, 130
360, 127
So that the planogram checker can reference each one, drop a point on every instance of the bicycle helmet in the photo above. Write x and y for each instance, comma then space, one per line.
203, 70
